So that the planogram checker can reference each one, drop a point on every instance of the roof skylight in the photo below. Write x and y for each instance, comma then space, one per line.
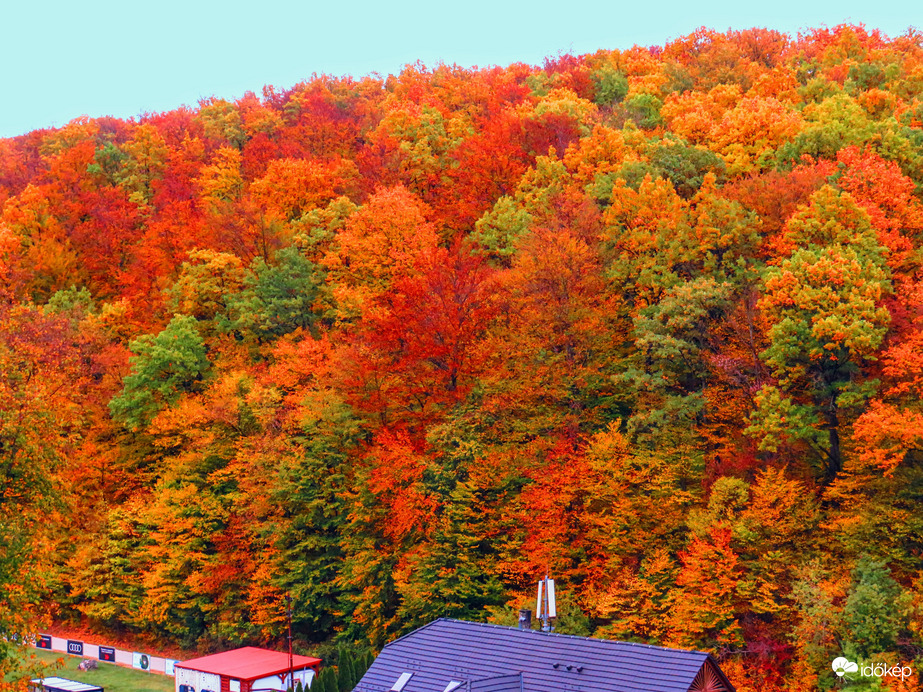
401, 681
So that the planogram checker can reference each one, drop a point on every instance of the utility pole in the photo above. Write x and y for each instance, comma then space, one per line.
291, 667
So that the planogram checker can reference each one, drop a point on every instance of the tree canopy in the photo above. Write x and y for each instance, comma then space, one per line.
649, 321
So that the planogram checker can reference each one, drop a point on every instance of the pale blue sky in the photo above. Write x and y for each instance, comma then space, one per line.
107, 57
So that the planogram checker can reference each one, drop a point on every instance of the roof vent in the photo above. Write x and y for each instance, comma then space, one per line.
401, 682
453, 685
555, 665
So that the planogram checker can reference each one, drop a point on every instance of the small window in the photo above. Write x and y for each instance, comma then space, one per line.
454, 685
401, 682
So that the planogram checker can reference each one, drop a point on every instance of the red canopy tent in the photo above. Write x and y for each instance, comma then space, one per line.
244, 670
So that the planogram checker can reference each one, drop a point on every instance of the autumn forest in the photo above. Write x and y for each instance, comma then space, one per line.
649, 321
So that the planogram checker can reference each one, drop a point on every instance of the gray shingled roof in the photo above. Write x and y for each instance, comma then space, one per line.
471, 652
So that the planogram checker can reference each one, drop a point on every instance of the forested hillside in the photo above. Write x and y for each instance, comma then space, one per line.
649, 321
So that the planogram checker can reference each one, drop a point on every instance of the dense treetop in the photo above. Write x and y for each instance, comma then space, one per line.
650, 321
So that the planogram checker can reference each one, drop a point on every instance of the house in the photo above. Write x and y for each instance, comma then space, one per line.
454, 655
56, 684
244, 670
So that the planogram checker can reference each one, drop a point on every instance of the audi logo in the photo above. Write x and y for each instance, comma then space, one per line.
75, 648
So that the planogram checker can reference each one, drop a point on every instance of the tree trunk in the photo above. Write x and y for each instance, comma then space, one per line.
834, 456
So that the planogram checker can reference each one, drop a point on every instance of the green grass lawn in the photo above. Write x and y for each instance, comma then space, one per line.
109, 676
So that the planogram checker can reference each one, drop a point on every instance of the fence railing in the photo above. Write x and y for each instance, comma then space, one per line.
111, 654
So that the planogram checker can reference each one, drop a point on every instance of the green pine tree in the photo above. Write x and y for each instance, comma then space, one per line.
277, 298
332, 683
310, 487
359, 667
345, 673
876, 610
319, 683
451, 578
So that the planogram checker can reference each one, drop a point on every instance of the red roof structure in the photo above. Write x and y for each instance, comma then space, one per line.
248, 663
242, 670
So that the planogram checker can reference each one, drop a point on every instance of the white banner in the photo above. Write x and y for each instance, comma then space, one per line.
153, 664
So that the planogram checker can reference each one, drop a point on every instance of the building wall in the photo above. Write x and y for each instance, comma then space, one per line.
275, 682
197, 679
232, 684
272, 682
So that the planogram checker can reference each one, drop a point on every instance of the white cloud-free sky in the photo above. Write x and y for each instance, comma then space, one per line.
60, 59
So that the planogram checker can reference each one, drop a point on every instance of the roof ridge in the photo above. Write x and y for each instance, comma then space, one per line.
418, 629
569, 636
